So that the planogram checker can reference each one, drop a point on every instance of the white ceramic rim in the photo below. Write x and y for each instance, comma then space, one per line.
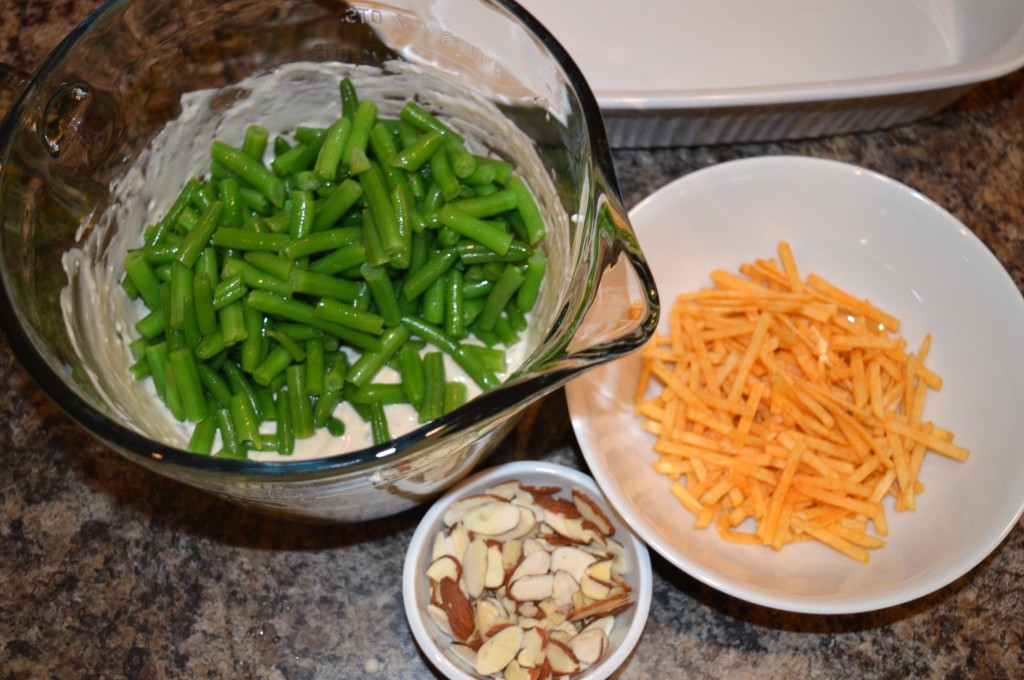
413, 577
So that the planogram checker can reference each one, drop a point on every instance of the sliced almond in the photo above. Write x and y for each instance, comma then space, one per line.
531, 653
458, 608
593, 588
491, 519
474, 567
457, 542
513, 671
605, 623
562, 589
556, 505
568, 527
506, 490
561, 658
572, 559
532, 588
437, 550
459, 507
494, 574
592, 512
444, 566
533, 564
532, 544
489, 613
601, 570
589, 645
511, 553
606, 607
529, 609
527, 523
498, 651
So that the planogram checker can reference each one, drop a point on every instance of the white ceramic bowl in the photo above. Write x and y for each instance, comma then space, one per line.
416, 591
882, 241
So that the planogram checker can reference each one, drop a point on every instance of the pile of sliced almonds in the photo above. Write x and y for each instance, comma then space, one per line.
527, 582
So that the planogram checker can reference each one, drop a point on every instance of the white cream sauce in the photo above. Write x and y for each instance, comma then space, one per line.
100, 317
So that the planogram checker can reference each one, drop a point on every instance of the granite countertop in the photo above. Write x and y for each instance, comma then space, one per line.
109, 571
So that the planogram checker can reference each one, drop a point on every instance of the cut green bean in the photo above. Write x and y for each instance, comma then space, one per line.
151, 326
288, 343
378, 423
333, 149
230, 289
274, 364
232, 447
203, 435
285, 426
453, 304
301, 409
250, 171
339, 202
442, 173
462, 162
251, 353
243, 239
349, 316
315, 358
420, 118
370, 363
301, 223
254, 145
418, 154
362, 122
229, 195
243, 416
536, 267
295, 310
165, 226
504, 289
342, 259
410, 368
277, 266
533, 222
454, 396
349, 97
334, 381
214, 383
474, 368
202, 299
418, 281
323, 286
321, 241
383, 292
433, 387
484, 233
301, 156
323, 409
379, 199
144, 278
196, 240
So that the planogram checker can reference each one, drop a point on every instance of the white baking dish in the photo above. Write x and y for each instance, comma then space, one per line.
691, 72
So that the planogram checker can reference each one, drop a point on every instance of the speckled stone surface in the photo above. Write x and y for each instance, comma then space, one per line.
108, 571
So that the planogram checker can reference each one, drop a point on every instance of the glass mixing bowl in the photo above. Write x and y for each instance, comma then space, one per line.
75, 128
